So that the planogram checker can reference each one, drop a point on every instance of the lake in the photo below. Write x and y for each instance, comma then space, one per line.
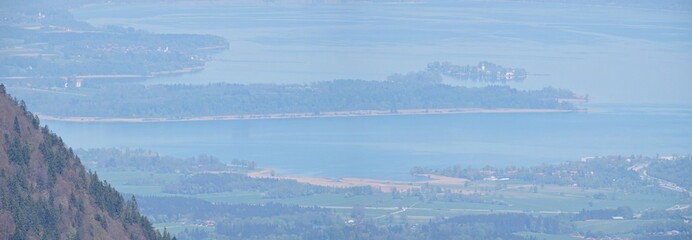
387, 147
626, 55
622, 55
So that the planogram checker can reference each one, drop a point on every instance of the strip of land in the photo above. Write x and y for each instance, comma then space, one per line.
355, 113
115, 76
382, 185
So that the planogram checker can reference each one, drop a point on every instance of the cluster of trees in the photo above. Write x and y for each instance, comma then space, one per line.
175, 101
113, 203
24, 113
494, 226
483, 72
613, 172
17, 152
303, 226
271, 188
624, 212
677, 170
57, 156
116, 159
664, 230
23, 215
249, 164
431, 193
168, 209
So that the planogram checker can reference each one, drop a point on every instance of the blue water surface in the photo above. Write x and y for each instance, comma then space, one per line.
387, 147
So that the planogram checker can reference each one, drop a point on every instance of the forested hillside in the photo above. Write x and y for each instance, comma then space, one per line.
46, 193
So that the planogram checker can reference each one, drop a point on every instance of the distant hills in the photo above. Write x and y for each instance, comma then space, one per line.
46, 193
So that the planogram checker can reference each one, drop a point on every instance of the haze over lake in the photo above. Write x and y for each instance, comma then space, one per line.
624, 55
627, 56
346, 119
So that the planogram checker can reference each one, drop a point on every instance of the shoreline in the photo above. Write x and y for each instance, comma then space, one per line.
163, 73
334, 114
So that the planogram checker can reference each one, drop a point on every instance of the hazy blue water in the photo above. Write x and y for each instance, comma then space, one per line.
615, 54
388, 147
625, 55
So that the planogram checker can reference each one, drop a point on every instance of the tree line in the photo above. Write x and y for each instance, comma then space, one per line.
116, 159
179, 101
271, 188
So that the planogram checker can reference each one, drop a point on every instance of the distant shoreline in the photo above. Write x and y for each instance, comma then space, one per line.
355, 113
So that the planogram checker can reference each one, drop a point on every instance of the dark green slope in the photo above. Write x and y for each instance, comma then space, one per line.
46, 193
